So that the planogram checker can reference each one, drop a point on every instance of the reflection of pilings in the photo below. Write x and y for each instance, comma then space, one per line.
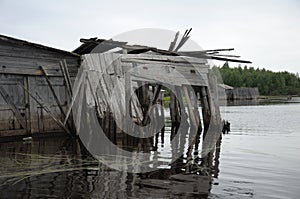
179, 119
199, 128
217, 157
108, 125
195, 123
144, 98
162, 117
174, 112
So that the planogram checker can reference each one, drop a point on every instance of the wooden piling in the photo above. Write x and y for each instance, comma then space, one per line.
205, 109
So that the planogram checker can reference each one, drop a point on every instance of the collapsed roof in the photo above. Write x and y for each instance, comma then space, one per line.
95, 45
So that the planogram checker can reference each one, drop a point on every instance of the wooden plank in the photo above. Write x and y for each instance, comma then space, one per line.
15, 132
161, 74
166, 63
206, 112
28, 50
66, 71
173, 43
127, 103
76, 92
53, 92
154, 100
30, 71
94, 97
13, 107
48, 111
68, 87
154, 57
190, 106
14, 57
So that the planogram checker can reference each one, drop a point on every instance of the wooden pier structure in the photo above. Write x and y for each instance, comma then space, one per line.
126, 88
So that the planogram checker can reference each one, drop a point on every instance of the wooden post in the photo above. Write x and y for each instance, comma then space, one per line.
181, 120
162, 117
154, 100
27, 106
199, 128
67, 81
193, 124
217, 157
128, 120
172, 114
205, 110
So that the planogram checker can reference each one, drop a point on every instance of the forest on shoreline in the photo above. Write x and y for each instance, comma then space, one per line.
268, 82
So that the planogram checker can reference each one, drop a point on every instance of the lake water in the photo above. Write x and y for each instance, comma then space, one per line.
260, 158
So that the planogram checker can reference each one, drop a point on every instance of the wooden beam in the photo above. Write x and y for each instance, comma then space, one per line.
53, 92
69, 89
154, 100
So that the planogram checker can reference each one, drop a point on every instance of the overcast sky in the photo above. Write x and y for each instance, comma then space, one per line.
265, 32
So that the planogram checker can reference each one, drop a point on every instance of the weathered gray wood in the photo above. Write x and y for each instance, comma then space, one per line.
27, 107
201, 67
53, 92
47, 110
68, 87
22, 59
66, 70
13, 107
184, 38
173, 43
97, 104
30, 71
199, 130
190, 107
154, 57
206, 112
154, 100
127, 103
159, 73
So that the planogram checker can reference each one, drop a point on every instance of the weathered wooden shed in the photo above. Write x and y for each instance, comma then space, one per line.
27, 102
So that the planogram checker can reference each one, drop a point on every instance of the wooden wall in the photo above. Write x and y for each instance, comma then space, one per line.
20, 68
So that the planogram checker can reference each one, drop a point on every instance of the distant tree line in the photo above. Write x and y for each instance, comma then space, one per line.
268, 82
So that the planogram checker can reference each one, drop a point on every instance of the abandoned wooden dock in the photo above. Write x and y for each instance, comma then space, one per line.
45, 90
37, 89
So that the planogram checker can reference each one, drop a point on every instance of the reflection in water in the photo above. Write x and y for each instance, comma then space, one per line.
59, 167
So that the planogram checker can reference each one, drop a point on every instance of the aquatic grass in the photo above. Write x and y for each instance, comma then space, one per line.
16, 167
22, 166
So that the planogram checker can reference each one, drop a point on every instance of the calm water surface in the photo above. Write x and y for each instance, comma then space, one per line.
259, 159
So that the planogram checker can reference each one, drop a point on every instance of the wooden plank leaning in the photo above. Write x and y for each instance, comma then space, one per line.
48, 111
53, 92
